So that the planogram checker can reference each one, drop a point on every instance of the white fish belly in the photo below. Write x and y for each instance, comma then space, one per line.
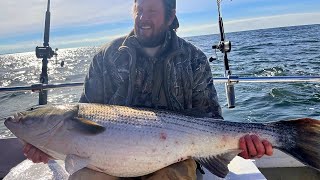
139, 153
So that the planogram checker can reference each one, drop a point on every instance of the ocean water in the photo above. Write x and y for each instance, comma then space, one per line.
287, 51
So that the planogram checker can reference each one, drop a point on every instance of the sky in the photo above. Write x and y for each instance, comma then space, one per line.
78, 23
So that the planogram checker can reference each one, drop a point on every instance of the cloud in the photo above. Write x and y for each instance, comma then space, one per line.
93, 12
80, 22
21, 16
18, 17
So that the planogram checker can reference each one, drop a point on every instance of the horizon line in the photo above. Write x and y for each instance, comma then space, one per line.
230, 32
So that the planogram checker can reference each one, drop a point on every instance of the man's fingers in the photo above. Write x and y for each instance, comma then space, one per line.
260, 149
40, 158
243, 147
250, 146
26, 149
45, 160
253, 147
44, 157
36, 156
30, 153
268, 147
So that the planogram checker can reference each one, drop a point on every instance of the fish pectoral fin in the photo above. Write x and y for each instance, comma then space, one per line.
218, 165
87, 126
74, 163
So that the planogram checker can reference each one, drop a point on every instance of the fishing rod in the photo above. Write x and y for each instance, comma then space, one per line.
230, 80
45, 52
225, 47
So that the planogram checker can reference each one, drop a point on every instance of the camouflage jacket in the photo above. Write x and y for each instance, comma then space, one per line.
178, 78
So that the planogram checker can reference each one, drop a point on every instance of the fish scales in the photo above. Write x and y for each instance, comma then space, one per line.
144, 118
140, 117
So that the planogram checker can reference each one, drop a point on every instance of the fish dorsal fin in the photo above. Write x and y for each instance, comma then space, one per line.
74, 163
218, 165
87, 126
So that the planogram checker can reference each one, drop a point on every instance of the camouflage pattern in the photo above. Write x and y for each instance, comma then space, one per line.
178, 78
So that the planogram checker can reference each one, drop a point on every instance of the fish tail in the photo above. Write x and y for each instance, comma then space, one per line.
303, 140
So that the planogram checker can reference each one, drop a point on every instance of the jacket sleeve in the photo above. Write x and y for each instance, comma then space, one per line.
93, 91
204, 94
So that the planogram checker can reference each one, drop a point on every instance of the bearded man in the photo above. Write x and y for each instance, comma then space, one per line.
152, 67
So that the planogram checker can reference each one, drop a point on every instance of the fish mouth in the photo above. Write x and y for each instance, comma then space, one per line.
16, 118
8, 122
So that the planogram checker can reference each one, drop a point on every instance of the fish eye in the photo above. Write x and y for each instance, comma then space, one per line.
31, 109
34, 108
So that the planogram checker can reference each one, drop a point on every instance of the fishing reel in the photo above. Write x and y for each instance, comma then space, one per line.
223, 47
45, 52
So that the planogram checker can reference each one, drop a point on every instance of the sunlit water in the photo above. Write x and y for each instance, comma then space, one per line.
290, 51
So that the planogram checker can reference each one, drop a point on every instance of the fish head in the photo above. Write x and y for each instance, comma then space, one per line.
37, 124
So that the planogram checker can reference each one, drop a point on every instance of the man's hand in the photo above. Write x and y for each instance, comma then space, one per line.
34, 154
253, 147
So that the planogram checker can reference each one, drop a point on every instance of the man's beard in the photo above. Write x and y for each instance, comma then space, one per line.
156, 38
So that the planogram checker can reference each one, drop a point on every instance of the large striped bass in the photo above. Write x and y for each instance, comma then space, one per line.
130, 142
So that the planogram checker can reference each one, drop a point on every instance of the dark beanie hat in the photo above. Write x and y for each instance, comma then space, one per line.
171, 5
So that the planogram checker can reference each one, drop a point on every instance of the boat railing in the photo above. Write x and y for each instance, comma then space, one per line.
230, 79
273, 79
39, 87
